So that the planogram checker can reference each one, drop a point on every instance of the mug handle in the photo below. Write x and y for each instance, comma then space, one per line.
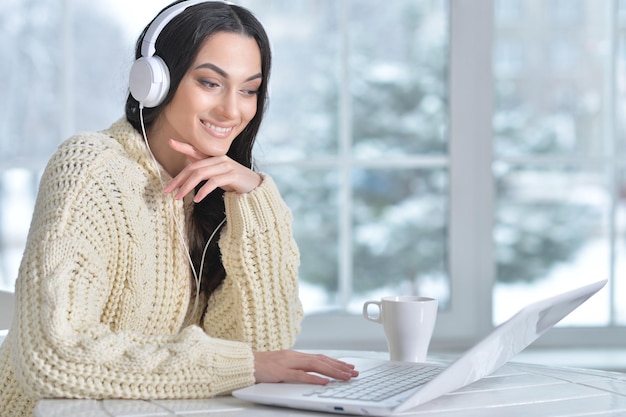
366, 314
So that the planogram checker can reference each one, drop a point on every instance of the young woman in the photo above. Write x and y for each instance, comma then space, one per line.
159, 264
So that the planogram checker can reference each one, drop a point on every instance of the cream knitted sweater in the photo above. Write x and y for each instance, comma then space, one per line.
104, 287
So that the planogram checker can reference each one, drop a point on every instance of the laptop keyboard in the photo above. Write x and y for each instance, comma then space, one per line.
379, 383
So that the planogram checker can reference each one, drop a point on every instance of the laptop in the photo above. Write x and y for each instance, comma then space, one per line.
422, 382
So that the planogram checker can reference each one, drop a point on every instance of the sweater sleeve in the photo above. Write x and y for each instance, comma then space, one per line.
64, 342
258, 301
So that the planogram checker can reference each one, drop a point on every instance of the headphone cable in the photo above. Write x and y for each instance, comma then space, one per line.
197, 275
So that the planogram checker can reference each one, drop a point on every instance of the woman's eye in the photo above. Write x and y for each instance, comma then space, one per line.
209, 84
250, 92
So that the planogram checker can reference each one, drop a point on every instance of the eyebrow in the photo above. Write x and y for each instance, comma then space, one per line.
223, 73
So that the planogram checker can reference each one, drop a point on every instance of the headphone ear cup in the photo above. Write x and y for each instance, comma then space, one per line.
149, 81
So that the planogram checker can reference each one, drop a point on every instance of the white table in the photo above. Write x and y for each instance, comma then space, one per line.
516, 389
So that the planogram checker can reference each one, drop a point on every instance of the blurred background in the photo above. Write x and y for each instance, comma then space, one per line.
471, 151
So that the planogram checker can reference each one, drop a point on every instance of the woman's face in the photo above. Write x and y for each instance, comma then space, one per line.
217, 97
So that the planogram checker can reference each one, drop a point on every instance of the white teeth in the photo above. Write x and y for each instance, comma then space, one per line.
217, 128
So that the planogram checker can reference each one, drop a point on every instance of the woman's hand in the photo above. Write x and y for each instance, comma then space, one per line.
292, 366
218, 171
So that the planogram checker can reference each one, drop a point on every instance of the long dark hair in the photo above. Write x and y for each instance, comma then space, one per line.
178, 44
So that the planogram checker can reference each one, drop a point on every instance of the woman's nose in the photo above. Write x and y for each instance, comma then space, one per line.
229, 105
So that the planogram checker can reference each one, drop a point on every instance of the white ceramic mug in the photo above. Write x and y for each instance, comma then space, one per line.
408, 322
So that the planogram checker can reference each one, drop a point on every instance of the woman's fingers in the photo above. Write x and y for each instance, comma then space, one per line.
218, 172
291, 366
306, 378
193, 174
328, 366
192, 153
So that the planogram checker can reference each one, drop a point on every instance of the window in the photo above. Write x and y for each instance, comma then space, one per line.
469, 152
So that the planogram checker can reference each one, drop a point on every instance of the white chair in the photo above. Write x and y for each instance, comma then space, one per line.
6, 309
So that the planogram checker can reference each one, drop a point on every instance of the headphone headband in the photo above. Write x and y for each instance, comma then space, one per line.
150, 38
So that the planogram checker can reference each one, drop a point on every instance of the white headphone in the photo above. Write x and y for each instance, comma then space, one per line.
149, 75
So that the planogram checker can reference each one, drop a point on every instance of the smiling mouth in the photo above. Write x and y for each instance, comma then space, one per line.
217, 129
